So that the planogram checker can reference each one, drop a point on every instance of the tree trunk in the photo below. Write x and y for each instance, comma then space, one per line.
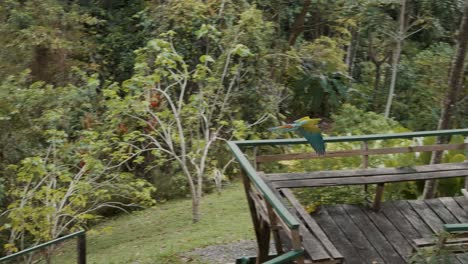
195, 208
196, 198
298, 26
351, 52
378, 73
450, 99
396, 58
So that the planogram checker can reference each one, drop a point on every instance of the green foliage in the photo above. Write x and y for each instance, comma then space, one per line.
123, 26
436, 254
177, 108
351, 120
42, 36
65, 188
318, 77
423, 81
53, 146
148, 86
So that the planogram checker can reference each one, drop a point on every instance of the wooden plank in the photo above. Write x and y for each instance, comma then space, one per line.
366, 172
462, 257
455, 209
370, 179
311, 245
441, 211
312, 224
399, 221
373, 234
391, 233
274, 225
338, 238
356, 152
413, 217
260, 206
423, 242
464, 192
427, 215
462, 201
415, 220
353, 233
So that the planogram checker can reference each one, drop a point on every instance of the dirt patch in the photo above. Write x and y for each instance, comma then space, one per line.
225, 253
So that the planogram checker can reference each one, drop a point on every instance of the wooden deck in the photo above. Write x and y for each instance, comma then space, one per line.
363, 236
337, 234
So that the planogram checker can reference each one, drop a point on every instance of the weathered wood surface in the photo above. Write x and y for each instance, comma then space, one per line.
391, 234
313, 227
358, 152
370, 179
313, 247
366, 172
373, 234
346, 247
369, 176
423, 242
364, 248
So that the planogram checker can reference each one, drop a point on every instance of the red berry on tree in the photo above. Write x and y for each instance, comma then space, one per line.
154, 104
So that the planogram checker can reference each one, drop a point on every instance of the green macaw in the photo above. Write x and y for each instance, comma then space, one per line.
308, 128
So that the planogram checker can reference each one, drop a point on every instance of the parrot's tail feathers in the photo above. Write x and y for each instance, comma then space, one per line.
284, 128
321, 152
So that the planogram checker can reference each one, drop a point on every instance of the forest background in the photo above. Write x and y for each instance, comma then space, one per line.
113, 105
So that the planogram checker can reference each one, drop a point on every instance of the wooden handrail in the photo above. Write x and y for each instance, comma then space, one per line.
363, 152
296, 141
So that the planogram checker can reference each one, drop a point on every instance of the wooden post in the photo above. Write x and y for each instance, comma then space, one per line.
262, 231
365, 164
81, 248
297, 244
255, 154
378, 197
275, 229
466, 159
263, 241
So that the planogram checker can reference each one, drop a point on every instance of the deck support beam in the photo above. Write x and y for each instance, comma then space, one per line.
262, 230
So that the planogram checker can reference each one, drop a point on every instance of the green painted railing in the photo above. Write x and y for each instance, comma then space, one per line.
261, 185
81, 247
451, 228
296, 141
286, 216
286, 257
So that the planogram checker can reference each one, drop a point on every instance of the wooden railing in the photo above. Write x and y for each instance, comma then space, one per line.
268, 212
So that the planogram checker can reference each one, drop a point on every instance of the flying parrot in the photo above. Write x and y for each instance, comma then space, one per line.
307, 128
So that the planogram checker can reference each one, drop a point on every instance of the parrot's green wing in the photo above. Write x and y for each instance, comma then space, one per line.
315, 139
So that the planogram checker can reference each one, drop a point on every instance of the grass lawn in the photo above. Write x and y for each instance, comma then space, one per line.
160, 234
